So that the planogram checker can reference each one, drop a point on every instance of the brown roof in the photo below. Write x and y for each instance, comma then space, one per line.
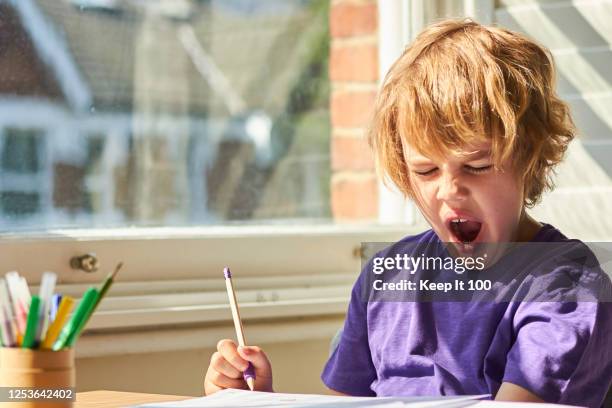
22, 73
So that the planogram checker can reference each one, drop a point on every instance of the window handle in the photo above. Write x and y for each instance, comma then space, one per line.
87, 263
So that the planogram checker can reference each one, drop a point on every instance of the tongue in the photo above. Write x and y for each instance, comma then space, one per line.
466, 231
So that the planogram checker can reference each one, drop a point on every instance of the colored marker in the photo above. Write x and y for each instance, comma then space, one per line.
55, 304
72, 329
7, 321
47, 287
61, 318
19, 309
6, 330
29, 338
249, 373
25, 290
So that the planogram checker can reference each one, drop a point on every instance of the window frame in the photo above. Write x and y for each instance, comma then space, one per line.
298, 277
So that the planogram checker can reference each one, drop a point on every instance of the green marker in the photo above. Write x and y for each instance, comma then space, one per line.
90, 309
72, 329
29, 337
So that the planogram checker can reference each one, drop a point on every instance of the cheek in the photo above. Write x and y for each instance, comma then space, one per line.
424, 197
505, 198
423, 190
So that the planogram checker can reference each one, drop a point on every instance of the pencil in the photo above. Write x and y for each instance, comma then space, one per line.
107, 283
249, 373
105, 287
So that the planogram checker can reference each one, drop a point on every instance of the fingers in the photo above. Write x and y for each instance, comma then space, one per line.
227, 349
225, 369
228, 364
258, 358
221, 381
210, 388
221, 365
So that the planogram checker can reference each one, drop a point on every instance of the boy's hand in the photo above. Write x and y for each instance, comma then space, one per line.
229, 362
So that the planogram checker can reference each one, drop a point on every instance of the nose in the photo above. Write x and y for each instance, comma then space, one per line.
451, 188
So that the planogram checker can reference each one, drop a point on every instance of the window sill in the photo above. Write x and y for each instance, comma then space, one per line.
296, 308
293, 282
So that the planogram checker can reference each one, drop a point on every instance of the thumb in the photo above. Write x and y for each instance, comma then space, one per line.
258, 358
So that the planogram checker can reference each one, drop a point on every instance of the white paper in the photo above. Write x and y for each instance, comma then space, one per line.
501, 404
254, 399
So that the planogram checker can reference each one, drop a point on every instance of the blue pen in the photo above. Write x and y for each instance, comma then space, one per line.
55, 302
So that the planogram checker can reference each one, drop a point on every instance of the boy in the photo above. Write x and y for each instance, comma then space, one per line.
468, 125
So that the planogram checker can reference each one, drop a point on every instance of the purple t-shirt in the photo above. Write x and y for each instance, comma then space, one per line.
560, 351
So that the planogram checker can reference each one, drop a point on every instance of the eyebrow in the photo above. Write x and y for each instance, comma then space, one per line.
479, 154
420, 162
475, 155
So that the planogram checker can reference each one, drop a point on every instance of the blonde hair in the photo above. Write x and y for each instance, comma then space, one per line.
461, 82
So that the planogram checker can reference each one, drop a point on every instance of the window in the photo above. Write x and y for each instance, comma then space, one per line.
22, 177
188, 113
20, 151
195, 135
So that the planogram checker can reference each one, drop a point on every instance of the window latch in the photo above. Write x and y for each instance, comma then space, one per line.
87, 263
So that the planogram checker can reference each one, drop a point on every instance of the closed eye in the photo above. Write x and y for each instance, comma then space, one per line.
482, 169
426, 172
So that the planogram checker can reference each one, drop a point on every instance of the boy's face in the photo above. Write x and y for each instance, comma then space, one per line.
464, 198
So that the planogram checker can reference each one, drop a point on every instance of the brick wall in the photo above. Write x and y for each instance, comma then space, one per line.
353, 71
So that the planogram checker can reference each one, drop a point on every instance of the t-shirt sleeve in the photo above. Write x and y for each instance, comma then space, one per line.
562, 351
350, 369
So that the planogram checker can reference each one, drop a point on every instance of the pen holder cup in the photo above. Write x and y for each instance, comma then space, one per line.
44, 378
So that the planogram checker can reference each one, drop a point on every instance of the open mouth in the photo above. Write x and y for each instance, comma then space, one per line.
465, 231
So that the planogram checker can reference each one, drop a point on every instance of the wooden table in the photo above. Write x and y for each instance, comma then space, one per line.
110, 399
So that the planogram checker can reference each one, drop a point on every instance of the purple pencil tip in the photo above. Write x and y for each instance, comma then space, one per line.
227, 273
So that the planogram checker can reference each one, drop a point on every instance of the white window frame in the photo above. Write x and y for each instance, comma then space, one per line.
399, 23
398, 20
295, 279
